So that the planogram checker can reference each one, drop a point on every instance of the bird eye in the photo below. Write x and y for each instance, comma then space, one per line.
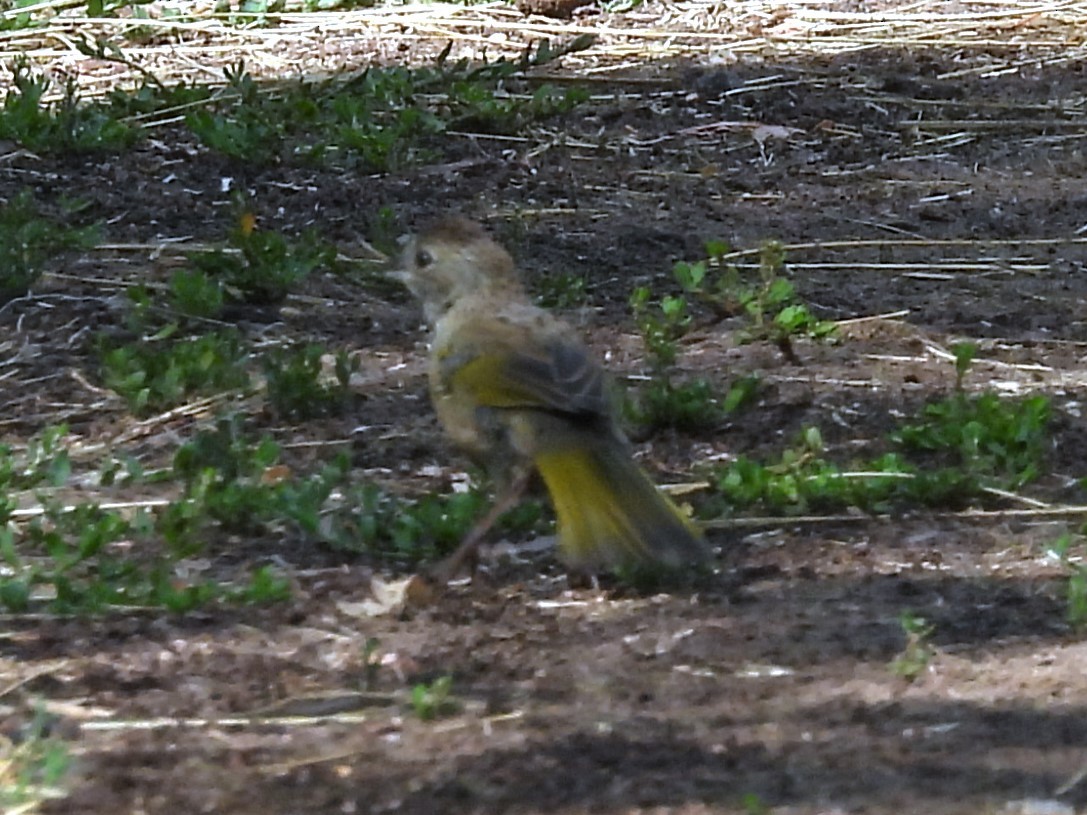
423, 258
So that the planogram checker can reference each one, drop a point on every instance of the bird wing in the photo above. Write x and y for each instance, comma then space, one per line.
556, 374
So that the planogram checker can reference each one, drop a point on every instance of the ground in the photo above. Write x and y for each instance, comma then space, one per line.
929, 190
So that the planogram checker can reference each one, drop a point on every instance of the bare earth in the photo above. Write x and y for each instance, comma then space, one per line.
941, 182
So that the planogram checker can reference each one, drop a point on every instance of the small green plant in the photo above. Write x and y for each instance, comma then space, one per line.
297, 389
249, 13
688, 406
226, 476
995, 441
383, 232
382, 118
103, 49
918, 651
435, 700
561, 290
964, 353
44, 462
958, 449
1065, 548
28, 239
409, 531
261, 267
769, 301
87, 559
803, 481
75, 559
72, 558
67, 126
753, 804
478, 108
661, 328
109, 8
741, 393
196, 294
12, 18
236, 483
470, 91
158, 375
998, 442
82, 570
770, 304
32, 769
663, 401
265, 585
249, 130
152, 96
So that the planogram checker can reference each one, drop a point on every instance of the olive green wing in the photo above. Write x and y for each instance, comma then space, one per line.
557, 376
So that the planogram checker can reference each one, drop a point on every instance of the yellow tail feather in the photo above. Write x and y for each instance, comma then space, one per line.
611, 515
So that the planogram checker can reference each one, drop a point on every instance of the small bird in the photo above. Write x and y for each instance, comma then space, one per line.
515, 389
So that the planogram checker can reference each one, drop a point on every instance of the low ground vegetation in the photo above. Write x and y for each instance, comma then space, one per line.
217, 460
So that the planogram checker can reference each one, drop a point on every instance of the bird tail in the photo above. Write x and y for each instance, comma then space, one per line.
610, 515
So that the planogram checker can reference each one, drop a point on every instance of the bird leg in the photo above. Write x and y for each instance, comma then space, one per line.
507, 497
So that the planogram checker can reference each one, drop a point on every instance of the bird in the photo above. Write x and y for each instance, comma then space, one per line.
518, 392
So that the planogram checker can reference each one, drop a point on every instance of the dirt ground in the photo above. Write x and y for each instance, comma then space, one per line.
923, 182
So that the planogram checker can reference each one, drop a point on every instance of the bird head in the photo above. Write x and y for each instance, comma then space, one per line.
453, 259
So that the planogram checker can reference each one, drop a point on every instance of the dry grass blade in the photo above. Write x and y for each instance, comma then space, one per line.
980, 515
792, 248
315, 44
